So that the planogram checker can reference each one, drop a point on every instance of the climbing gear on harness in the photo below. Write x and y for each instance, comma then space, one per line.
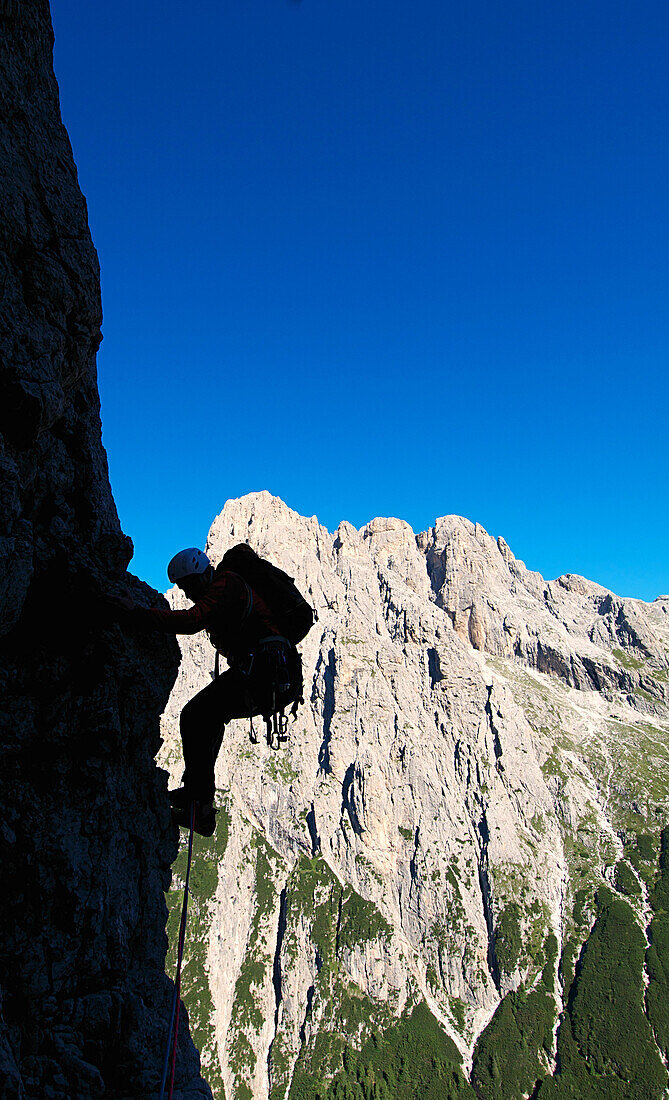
273, 674
176, 1000
187, 563
281, 670
277, 729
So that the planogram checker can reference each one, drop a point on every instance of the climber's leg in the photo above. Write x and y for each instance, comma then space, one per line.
202, 723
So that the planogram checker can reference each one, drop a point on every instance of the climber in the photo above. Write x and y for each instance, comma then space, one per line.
263, 676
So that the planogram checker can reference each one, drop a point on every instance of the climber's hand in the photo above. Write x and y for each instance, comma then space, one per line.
119, 606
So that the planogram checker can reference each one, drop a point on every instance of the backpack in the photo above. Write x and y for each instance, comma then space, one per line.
292, 614
281, 671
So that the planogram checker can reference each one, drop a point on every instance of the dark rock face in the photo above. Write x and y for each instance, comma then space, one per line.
85, 835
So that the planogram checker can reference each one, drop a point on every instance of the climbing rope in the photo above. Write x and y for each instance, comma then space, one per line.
176, 1000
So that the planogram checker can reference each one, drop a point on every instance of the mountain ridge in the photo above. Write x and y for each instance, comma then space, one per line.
463, 766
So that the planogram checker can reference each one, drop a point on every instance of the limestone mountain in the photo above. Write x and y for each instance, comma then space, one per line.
454, 870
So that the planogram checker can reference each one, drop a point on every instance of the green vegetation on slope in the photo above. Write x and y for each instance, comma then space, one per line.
626, 881
513, 1051
641, 851
626, 659
605, 1043
605, 1049
402, 1060
353, 1048
195, 993
508, 938
412, 1060
340, 921
657, 957
247, 1017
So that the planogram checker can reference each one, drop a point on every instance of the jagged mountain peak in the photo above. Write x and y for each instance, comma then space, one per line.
478, 746
569, 627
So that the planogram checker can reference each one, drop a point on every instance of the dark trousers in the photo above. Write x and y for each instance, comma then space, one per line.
202, 723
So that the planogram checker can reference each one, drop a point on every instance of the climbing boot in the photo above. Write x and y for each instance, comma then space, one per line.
180, 798
204, 821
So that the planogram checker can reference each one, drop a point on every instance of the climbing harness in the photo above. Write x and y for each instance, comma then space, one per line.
171, 1051
283, 672
280, 666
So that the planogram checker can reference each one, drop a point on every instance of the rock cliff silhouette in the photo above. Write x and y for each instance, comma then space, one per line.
85, 830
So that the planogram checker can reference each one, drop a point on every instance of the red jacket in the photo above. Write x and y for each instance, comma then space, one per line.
234, 616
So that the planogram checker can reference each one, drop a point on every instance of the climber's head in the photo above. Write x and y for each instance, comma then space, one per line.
192, 571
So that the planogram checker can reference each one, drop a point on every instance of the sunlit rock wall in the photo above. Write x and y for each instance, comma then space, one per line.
479, 773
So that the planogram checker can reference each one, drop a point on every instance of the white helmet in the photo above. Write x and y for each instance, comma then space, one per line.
187, 563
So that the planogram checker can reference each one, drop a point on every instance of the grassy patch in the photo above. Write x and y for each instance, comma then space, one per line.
657, 956
369, 867
458, 1011
626, 660
508, 938
247, 1016
642, 853
280, 768
513, 1051
195, 992
552, 766
360, 922
340, 921
626, 881
412, 1060
605, 1043
645, 694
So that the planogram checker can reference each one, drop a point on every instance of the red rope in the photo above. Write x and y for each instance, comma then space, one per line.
182, 937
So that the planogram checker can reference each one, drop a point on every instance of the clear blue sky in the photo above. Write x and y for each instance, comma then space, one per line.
383, 258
